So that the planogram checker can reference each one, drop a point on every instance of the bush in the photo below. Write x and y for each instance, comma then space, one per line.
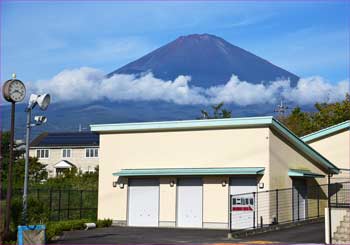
37, 212
103, 223
56, 228
14, 242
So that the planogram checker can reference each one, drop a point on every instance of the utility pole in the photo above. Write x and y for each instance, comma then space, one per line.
281, 109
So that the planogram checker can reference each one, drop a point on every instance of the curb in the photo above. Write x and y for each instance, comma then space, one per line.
246, 233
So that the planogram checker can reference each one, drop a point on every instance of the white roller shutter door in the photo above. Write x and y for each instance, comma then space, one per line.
190, 202
143, 203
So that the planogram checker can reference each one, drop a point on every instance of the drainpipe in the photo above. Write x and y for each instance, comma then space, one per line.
329, 209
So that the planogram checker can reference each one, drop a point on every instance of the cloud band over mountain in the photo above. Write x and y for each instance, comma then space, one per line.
88, 84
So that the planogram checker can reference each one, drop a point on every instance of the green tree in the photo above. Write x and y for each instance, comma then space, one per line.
74, 179
217, 112
326, 115
5, 148
37, 172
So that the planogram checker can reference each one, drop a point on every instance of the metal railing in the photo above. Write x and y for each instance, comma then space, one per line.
340, 195
64, 204
260, 209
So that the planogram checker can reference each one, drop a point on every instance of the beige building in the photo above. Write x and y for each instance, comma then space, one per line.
182, 173
60, 151
334, 144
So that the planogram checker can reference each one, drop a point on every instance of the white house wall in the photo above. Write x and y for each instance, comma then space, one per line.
77, 158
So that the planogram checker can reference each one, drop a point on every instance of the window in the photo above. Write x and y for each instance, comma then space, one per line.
66, 153
91, 152
42, 153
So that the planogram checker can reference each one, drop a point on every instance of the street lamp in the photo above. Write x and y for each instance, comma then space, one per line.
43, 102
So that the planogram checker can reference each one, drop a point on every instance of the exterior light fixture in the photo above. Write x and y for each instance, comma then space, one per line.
224, 183
43, 102
121, 185
40, 120
115, 183
261, 185
172, 183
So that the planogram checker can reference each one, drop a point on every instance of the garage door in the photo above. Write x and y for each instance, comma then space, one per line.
299, 199
189, 202
143, 204
243, 202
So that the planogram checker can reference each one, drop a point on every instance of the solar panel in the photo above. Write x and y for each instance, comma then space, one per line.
69, 139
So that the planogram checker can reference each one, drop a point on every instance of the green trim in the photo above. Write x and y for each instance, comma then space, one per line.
303, 173
303, 147
188, 171
327, 131
182, 125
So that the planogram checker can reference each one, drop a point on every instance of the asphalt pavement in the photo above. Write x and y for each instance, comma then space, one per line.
310, 233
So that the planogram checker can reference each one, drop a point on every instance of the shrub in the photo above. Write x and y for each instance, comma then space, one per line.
37, 212
103, 223
56, 228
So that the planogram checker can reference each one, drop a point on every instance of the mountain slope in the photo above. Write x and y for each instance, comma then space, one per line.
208, 59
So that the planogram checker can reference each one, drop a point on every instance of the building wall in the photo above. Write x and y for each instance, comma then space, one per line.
282, 158
167, 209
215, 212
77, 158
336, 148
178, 149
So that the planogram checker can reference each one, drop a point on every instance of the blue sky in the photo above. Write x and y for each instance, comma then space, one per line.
40, 39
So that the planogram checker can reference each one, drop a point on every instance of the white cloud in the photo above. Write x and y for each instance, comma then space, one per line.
245, 93
316, 89
88, 85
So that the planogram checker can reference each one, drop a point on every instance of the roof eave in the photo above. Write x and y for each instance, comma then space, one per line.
301, 145
327, 131
182, 125
190, 171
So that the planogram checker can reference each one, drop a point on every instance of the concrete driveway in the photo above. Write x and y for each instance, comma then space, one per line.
311, 233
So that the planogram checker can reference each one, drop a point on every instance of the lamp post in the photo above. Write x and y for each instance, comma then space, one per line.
43, 102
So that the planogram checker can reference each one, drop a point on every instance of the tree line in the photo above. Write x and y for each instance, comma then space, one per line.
298, 121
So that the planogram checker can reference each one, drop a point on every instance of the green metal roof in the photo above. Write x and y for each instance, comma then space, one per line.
246, 122
303, 173
327, 131
182, 125
188, 171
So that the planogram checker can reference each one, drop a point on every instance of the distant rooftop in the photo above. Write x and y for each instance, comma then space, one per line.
58, 139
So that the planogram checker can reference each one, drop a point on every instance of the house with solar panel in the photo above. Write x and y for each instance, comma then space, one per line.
61, 151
